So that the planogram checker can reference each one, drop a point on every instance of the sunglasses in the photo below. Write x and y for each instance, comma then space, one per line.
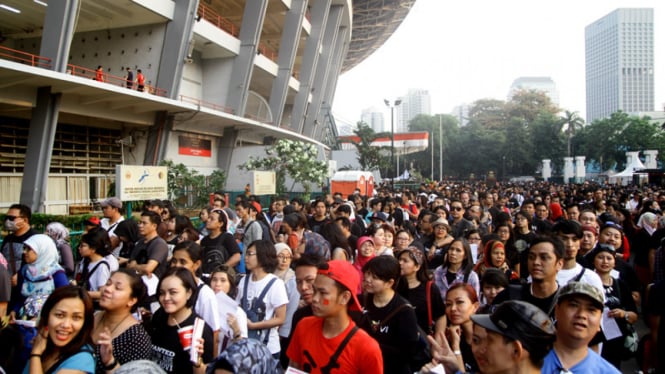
456, 208
11, 218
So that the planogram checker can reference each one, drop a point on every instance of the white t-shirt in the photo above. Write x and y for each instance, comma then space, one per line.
206, 306
566, 275
275, 297
102, 274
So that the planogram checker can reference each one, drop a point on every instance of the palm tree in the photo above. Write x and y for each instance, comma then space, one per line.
574, 122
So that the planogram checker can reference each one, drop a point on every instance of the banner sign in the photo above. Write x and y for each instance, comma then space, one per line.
263, 182
194, 146
136, 182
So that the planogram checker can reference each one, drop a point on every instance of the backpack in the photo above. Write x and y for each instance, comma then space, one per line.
257, 311
265, 231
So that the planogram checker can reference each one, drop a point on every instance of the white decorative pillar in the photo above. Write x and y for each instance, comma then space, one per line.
580, 169
547, 169
568, 172
651, 159
630, 156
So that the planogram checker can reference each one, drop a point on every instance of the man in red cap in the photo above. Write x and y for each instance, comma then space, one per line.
331, 340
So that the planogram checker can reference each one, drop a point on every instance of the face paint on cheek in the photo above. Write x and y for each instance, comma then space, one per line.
326, 302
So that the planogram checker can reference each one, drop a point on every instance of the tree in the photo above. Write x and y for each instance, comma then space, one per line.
186, 187
295, 159
573, 122
370, 157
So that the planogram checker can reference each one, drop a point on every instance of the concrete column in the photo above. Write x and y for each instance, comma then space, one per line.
309, 60
312, 119
287, 56
568, 172
651, 159
59, 27
243, 63
158, 136
177, 39
225, 148
580, 169
547, 169
43, 125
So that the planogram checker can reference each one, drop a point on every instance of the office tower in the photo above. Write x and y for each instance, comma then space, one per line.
619, 63
416, 101
374, 118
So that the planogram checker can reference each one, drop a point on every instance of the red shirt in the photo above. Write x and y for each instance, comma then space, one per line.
361, 355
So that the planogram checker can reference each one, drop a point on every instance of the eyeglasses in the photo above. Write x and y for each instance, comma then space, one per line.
283, 258
474, 239
457, 208
402, 238
441, 227
249, 254
11, 218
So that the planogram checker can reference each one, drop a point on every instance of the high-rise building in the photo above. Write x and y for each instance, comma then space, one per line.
542, 84
374, 118
416, 101
461, 112
619, 63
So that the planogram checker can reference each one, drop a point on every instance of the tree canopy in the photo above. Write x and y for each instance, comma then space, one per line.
512, 137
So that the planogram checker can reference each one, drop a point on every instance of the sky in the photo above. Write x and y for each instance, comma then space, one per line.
462, 51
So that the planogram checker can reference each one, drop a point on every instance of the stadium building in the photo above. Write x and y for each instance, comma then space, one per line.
220, 78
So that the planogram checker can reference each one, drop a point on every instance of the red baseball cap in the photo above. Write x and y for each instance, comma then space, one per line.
345, 274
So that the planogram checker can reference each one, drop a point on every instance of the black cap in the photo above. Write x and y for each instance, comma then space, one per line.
519, 320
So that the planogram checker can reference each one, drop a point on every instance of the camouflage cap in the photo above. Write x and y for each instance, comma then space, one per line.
584, 289
521, 321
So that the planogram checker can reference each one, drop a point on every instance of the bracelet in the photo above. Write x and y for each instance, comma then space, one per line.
457, 353
35, 355
111, 365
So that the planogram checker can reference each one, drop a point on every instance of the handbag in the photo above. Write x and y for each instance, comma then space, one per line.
631, 340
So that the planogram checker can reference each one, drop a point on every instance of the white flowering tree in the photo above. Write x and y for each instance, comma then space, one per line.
296, 159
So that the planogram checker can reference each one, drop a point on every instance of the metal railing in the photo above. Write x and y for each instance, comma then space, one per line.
25, 57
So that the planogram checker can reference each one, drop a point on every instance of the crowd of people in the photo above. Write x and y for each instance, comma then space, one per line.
466, 277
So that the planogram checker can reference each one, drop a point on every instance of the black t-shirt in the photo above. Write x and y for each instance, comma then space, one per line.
522, 245
224, 241
16, 243
315, 225
167, 351
398, 338
523, 292
155, 249
418, 298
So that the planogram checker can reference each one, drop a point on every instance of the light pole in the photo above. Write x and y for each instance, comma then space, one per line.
392, 139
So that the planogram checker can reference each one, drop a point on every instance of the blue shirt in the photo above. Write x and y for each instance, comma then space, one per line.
592, 363
83, 361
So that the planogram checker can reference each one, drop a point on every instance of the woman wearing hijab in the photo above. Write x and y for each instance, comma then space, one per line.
58, 232
39, 276
245, 356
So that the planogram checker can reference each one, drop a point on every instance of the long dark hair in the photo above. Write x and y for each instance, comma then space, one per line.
85, 335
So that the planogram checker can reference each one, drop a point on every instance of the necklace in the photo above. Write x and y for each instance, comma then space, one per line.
101, 323
176, 322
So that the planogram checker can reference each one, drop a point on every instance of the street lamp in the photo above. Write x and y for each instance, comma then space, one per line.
392, 138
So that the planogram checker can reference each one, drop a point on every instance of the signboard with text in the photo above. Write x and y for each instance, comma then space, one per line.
263, 182
136, 182
190, 146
